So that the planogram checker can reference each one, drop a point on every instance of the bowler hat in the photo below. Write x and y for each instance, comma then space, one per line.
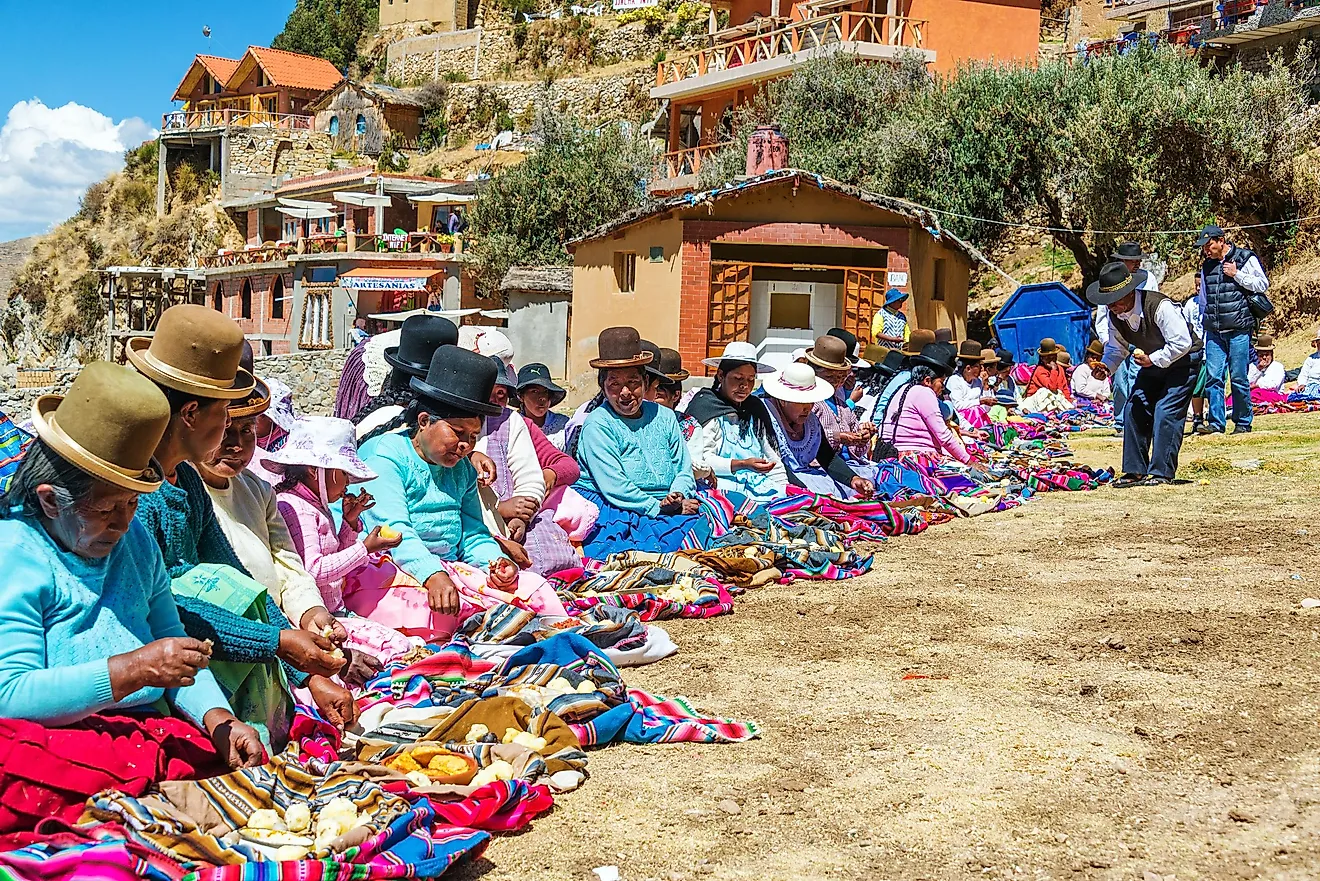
1116, 281
850, 340
1048, 347
1005, 358
989, 357
108, 424
918, 339
195, 350
1264, 343
620, 347
891, 364
829, 353
970, 351
419, 337
671, 365
940, 357
944, 334
539, 375
1127, 251
1096, 348
458, 379
258, 400
653, 369
1208, 232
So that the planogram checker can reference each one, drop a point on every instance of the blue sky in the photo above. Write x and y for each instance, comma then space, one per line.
87, 79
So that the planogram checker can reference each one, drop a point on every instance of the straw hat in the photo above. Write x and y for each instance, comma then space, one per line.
619, 347
108, 425
1264, 343
829, 353
918, 340
196, 351
797, 383
320, 442
740, 351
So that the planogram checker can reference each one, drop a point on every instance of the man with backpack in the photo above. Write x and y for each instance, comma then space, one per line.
1232, 288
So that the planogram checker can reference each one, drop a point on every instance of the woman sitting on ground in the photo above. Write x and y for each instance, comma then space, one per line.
426, 490
635, 464
810, 462
538, 395
965, 388
871, 381
1047, 385
846, 433
1308, 377
1267, 373
736, 441
998, 368
1090, 381
87, 621
913, 423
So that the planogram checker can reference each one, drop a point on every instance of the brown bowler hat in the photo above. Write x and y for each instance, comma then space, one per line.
1096, 348
671, 365
1264, 343
108, 424
195, 350
989, 357
969, 350
620, 347
258, 400
917, 340
829, 353
1048, 347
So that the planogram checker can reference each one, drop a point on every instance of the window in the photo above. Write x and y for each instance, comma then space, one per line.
790, 311
657, 253
334, 125
277, 298
361, 125
245, 299
625, 271
218, 297
937, 293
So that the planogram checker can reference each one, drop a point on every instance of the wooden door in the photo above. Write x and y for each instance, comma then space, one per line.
863, 294
730, 306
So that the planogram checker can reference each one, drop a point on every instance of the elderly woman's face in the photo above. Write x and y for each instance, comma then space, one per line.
446, 442
206, 422
625, 389
972, 371
236, 449
795, 412
92, 526
738, 383
1265, 358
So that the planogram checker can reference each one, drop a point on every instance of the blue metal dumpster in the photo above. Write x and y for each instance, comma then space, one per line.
1036, 311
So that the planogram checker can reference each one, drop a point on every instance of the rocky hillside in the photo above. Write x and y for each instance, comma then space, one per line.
13, 255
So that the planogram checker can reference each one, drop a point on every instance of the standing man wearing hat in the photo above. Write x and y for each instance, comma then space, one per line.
889, 327
1130, 255
1153, 330
194, 359
1228, 274
1267, 373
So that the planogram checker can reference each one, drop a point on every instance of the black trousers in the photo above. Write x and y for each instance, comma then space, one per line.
1154, 417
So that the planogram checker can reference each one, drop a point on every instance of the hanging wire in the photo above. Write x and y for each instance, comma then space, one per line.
1115, 232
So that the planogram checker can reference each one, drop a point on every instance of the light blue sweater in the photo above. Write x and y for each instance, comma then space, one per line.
435, 508
62, 617
634, 463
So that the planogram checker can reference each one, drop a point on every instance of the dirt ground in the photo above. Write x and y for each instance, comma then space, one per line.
1111, 685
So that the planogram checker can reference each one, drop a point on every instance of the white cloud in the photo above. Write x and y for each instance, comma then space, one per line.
50, 155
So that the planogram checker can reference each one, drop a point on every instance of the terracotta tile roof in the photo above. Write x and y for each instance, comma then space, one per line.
220, 68
296, 71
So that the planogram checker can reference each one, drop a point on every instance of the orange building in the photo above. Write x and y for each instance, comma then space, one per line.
257, 88
768, 39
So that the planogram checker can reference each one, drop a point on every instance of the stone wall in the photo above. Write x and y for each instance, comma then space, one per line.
313, 376
263, 152
422, 59
617, 96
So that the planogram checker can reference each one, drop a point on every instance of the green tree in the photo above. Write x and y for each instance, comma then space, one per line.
329, 29
576, 180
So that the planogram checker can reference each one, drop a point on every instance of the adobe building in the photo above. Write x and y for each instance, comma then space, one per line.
364, 117
773, 260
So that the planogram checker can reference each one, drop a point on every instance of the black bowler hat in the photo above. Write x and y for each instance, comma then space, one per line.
1115, 283
458, 380
671, 365
419, 337
538, 374
940, 357
1128, 251
892, 364
653, 369
1005, 358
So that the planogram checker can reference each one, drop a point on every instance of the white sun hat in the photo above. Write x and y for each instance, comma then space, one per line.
799, 384
320, 442
740, 351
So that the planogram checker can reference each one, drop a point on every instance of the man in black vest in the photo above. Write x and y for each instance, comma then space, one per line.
1152, 329
1227, 275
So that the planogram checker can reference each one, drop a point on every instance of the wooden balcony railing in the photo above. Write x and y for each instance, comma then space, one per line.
230, 116
383, 243
687, 160
814, 33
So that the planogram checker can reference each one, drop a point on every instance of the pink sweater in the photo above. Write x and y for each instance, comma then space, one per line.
921, 428
328, 557
565, 467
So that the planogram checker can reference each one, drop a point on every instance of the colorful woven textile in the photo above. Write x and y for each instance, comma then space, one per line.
13, 444
645, 718
63, 853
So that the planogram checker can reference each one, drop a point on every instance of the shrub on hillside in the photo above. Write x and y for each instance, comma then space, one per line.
329, 29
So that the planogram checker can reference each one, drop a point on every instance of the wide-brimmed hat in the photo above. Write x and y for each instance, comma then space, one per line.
1116, 281
419, 337
918, 339
320, 442
829, 353
797, 383
894, 295
1208, 232
108, 424
989, 357
460, 379
940, 357
539, 375
1096, 348
504, 374
970, 351
671, 365
195, 350
1264, 343
281, 404
1048, 346
1128, 251
740, 351
1316, 338
1005, 398
619, 347
258, 401
854, 349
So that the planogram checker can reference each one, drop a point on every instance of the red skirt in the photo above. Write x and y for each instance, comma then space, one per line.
51, 772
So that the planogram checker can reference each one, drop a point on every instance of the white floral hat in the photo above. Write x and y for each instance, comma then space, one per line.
281, 404
320, 442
